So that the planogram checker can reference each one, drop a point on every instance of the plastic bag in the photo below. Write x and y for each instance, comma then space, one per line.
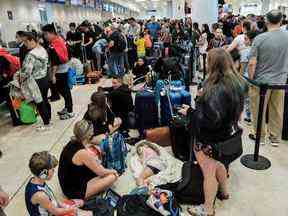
27, 113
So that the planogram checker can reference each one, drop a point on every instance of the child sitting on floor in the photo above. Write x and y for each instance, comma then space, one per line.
39, 197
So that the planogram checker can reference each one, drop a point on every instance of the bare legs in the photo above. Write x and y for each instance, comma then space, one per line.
215, 175
99, 184
147, 172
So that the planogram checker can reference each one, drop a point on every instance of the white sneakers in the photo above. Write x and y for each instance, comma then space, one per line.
274, 142
43, 128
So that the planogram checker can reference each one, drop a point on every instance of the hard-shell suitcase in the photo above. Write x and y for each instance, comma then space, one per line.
146, 110
180, 137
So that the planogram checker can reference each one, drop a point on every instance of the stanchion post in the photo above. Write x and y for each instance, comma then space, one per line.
204, 65
263, 91
256, 161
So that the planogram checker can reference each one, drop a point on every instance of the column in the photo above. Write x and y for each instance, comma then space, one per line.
266, 6
178, 9
205, 11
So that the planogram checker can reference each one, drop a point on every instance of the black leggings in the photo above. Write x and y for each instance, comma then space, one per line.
64, 90
44, 108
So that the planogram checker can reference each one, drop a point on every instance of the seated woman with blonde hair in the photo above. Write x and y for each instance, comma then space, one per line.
80, 174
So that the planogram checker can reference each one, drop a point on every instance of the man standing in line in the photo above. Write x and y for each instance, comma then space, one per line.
58, 55
154, 28
269, 65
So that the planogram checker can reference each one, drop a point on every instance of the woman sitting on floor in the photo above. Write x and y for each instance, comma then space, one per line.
101, 116
80, 175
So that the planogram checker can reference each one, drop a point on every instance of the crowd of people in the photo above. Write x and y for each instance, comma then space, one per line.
235, 47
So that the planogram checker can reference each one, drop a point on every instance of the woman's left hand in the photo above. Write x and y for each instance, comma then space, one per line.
184, 110
117, 122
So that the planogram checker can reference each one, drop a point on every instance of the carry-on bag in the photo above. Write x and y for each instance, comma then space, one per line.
146, 110
180, 137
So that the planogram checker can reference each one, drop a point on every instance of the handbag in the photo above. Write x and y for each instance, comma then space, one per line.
229, 150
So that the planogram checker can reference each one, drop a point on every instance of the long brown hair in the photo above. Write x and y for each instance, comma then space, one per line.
98, 106
221, 70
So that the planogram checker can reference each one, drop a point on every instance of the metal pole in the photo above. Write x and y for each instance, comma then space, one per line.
263, 91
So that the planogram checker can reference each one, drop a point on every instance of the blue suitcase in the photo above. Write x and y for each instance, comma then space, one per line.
146, 110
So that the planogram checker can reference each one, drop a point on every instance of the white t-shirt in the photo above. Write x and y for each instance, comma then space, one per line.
240, 40
204, 39
284, 28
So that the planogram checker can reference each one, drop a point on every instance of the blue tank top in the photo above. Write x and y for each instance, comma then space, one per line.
37, 210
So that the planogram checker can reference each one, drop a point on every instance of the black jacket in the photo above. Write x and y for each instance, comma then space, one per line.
121, 100
217, 113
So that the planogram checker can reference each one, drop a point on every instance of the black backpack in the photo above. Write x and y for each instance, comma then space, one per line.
99, 206
189, 190
135, 205
121, 43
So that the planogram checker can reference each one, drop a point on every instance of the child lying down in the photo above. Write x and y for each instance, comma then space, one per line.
151, 164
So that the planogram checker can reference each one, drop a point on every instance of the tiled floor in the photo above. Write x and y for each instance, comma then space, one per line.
253, 193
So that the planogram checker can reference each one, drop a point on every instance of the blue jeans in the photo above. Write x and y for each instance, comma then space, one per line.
117, 64
229, 40
247, 108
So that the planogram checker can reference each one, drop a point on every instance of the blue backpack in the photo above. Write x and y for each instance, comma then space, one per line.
114, 157
71, 77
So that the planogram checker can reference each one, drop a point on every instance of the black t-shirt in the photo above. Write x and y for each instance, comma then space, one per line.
73, 36
227, 29
121, 100
87, 36
119, 42
53, 57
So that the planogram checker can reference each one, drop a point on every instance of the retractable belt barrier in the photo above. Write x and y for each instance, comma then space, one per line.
256, 161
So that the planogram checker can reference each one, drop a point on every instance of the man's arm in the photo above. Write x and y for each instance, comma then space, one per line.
252, 67
253, 59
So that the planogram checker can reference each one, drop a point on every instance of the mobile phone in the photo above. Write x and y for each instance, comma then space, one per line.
112, 197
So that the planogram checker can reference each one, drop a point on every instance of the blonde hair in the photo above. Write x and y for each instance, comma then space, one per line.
83, 130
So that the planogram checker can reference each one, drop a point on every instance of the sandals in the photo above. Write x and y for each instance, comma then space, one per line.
198, 211
221, 196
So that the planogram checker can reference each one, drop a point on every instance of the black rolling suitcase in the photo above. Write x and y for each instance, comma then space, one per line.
180, 138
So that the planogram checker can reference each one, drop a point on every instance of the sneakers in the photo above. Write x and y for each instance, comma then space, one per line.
62, 112
252, 136
198, 211
67, 116
247, 121
274, 141
43, 128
